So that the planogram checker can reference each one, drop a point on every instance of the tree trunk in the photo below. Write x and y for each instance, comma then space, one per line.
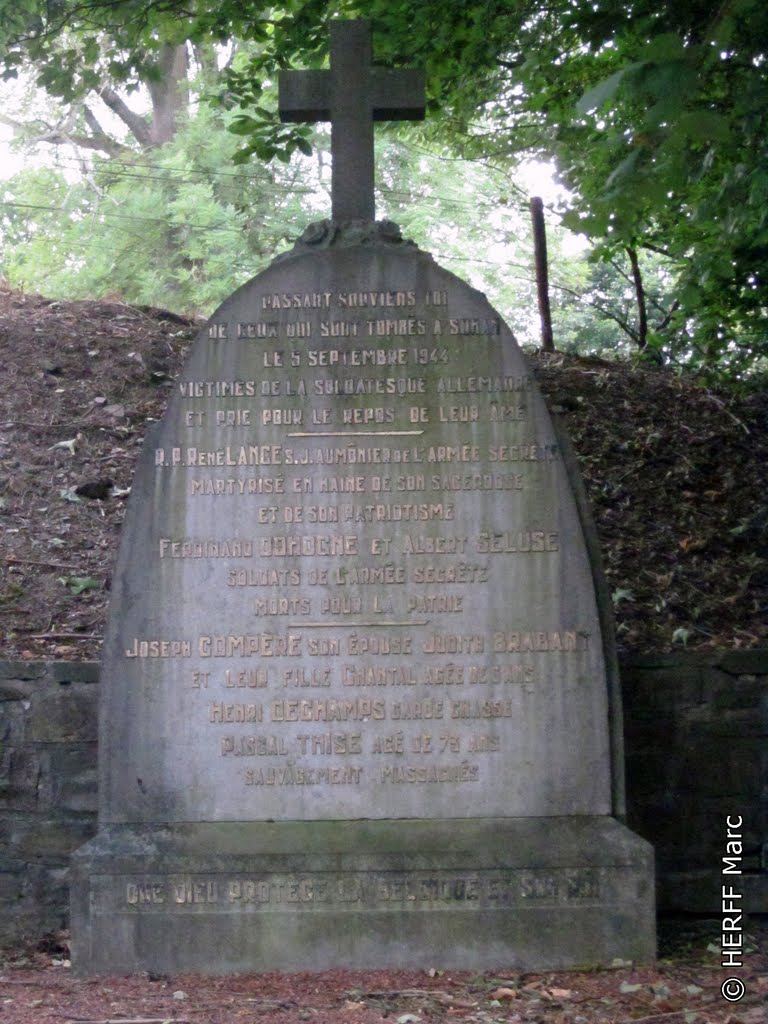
642, 309
169, 94
542, 273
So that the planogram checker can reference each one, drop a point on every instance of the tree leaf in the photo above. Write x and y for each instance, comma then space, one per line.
596, 97
78, 584
665, 47
705, 125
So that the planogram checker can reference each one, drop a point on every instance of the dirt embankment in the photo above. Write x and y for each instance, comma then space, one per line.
675, 473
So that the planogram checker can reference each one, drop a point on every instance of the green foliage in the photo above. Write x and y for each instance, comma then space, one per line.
655, 115
180, 227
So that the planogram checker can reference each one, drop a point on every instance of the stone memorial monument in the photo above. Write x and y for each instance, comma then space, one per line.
359, 704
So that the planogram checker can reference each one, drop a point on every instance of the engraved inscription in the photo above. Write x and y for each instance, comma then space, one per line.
490, 889
384, 479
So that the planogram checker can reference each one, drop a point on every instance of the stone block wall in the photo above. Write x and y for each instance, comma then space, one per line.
696, 745
696, 751
48, 788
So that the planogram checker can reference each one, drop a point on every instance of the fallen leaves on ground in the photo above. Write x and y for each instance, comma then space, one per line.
675, 474
683, 987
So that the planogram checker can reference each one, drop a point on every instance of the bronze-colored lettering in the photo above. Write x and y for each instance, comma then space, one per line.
237, 485
294, 775
263, 645
501, 673
459, 572
379, 645
259, 329
251, 679
264, 578
453, 453
513, 642
233, 548
441, 545
230, 455
139, 648
282, 417
408, 710
281, 606
521, 542
436, 603
478, 482
357, 709
373, 675
464, 772
485, 744
323, 647
289, 546
392, 744
449, 674
458, 413
191, 891
307, 677
233, 417
257, 745
138, 893
363, 300
481, 385
481, 709
304, 300
330, 744
219, 712
454, 643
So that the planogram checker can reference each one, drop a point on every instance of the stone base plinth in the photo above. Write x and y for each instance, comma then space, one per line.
521, 893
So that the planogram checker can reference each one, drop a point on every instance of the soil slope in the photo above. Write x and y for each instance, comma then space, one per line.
675, 473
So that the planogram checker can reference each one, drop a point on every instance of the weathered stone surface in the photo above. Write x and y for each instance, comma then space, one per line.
665, 806
298, 895
50, 840
74, 778
355, 614
645, 690
400, 577
78, 673
22, 670
743, 692
15, 689
62, 717
20, 778
351, 95
737, 663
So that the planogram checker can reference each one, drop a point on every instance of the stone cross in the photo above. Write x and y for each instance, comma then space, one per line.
352, 95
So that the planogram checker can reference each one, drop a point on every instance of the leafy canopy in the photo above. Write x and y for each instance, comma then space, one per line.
654, 113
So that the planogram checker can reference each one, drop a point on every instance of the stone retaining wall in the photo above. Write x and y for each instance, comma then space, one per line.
696, 744
696, 748
47, 788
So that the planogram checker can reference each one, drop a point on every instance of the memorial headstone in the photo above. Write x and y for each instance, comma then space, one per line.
358, 702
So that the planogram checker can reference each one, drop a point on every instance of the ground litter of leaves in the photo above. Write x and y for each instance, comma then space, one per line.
683, 987
676, 474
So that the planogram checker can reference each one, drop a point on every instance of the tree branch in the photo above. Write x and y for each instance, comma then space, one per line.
136, 125
670, 313
657, 249
623, 324
62, 136
109, 145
